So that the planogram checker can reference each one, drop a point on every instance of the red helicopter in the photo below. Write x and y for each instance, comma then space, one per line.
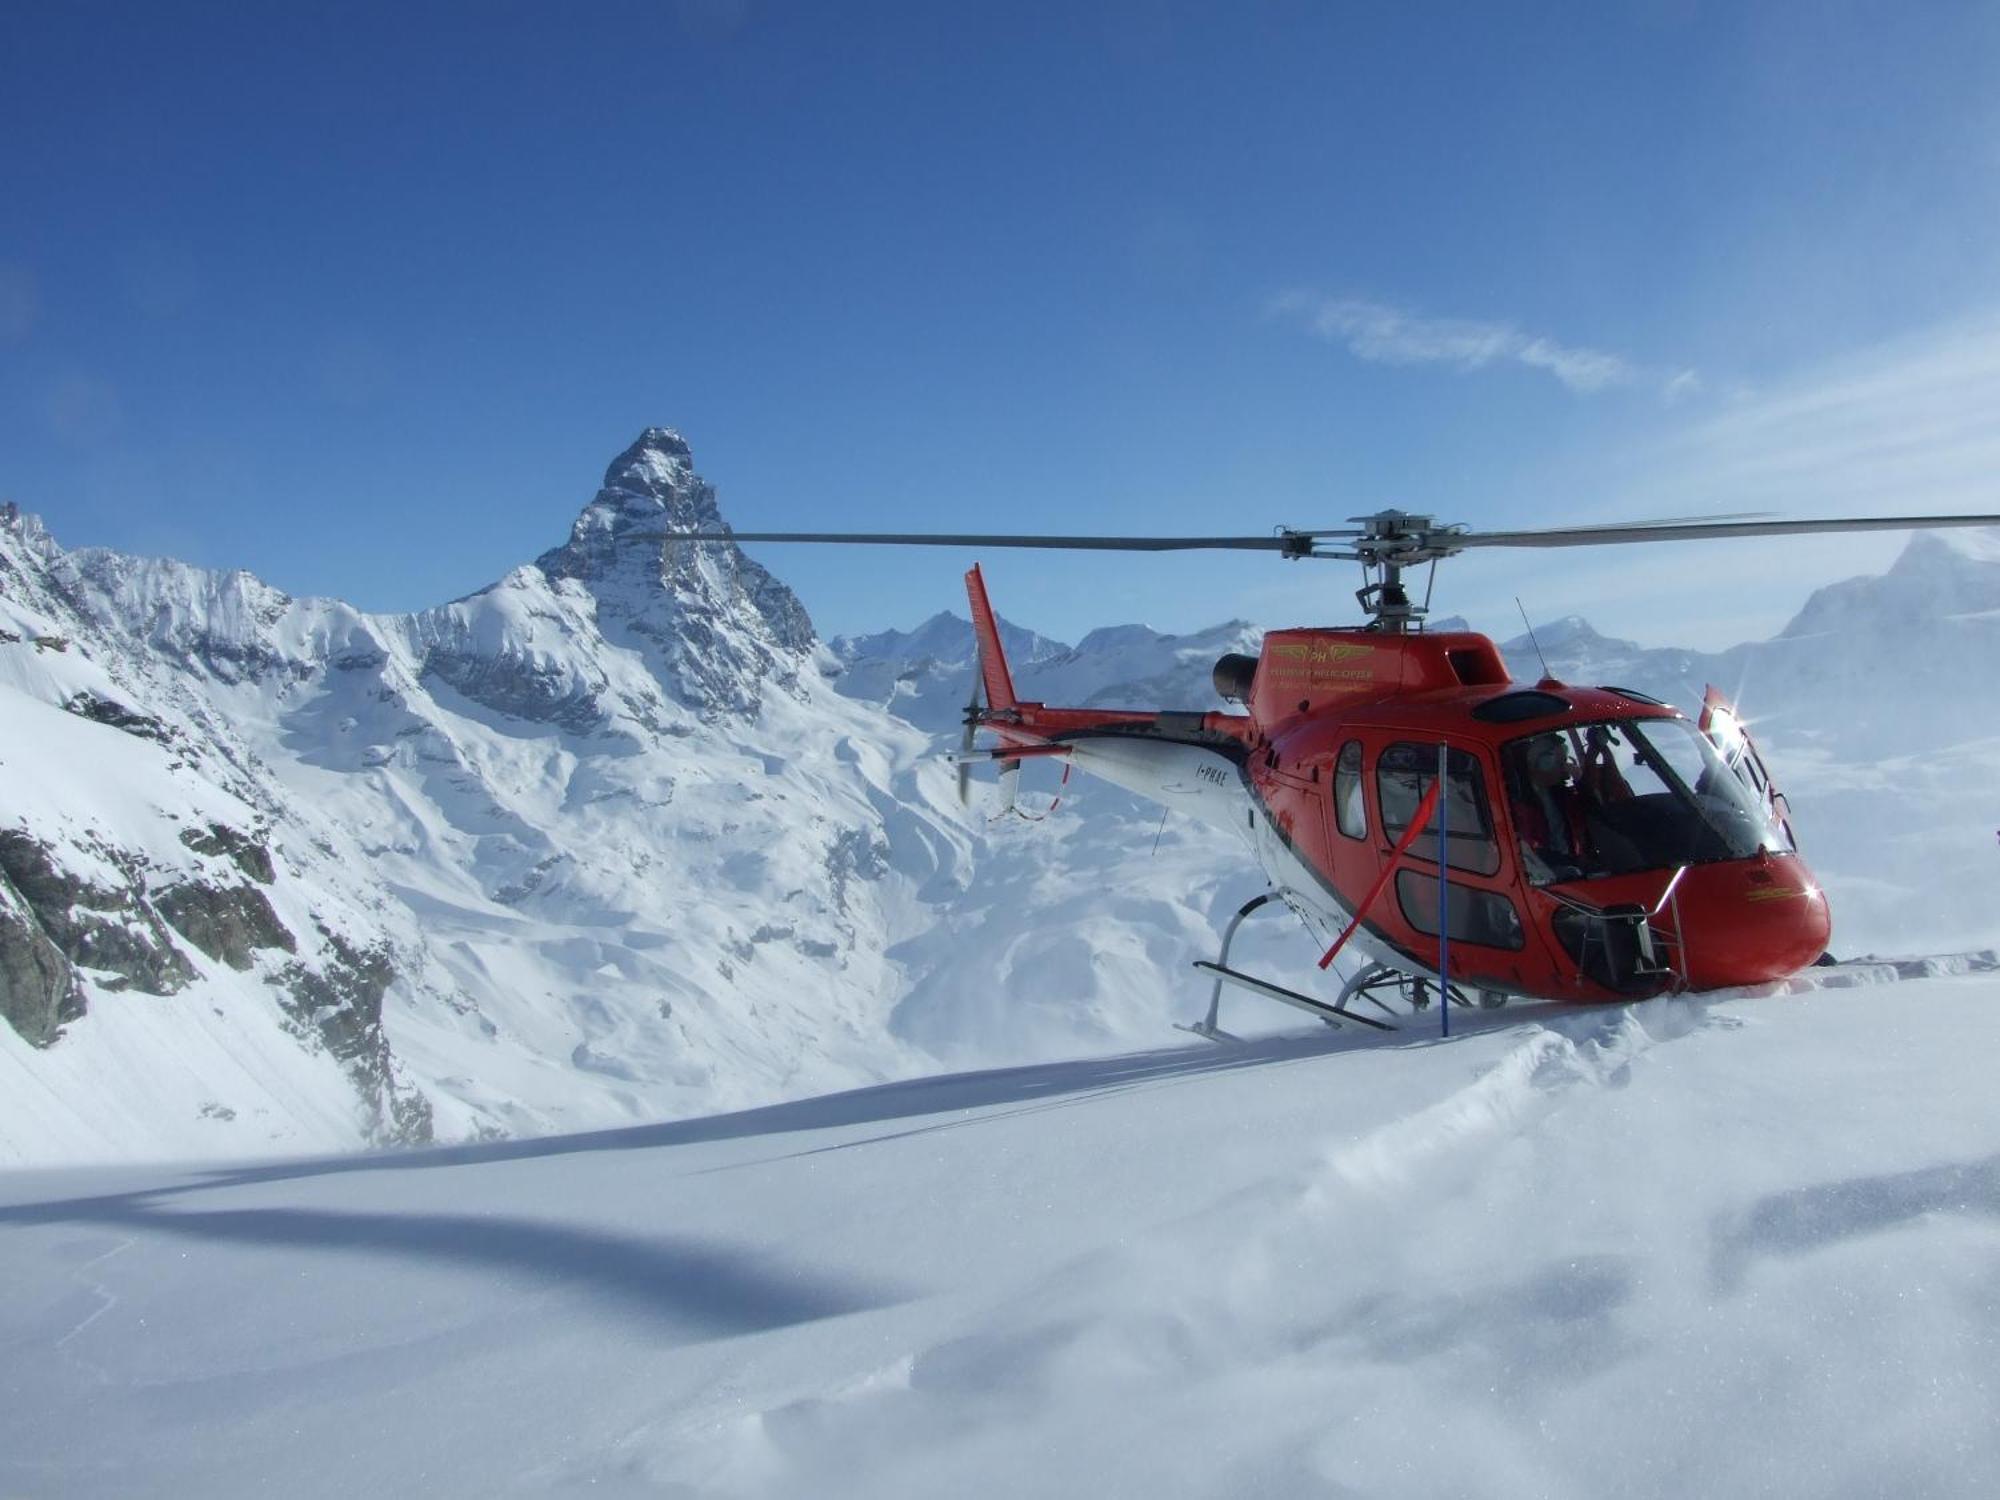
1596, 844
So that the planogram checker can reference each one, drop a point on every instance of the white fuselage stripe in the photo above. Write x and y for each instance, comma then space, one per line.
1212, 788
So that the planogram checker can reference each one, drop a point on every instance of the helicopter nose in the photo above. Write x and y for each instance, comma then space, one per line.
1750, 921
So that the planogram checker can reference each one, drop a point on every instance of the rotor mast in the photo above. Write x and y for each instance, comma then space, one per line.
1389, 542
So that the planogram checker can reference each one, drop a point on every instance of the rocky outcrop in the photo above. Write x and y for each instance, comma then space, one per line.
37, 990
541, 692
110, 929
54, 921
227, 922
116, 715
854, 854
339, 1005
249, 854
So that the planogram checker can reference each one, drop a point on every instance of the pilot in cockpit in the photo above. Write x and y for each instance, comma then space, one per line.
1549, 809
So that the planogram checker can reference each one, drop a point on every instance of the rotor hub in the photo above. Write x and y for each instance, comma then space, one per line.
1401, 538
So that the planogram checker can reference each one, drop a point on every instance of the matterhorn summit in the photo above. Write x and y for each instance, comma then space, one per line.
714, 625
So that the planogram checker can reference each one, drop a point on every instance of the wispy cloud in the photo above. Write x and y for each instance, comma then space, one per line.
1901, 428
1904, 427
1389, 335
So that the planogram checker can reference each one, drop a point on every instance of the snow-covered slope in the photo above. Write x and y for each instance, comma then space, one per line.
1076, 931
214, 970
597, 843
1741, 1247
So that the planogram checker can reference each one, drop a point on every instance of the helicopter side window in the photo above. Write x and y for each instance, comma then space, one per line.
1350, 808
1475, 916
1404, 772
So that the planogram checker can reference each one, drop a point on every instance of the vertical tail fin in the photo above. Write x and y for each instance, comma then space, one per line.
992, 660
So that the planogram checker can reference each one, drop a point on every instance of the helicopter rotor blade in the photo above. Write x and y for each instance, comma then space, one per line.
1388, 537
1293, 541
1691, 531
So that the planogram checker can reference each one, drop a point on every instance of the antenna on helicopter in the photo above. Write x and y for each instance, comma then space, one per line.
1546, 673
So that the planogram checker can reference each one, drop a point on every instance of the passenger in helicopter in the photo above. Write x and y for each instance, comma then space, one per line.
1551, 806
1602, 783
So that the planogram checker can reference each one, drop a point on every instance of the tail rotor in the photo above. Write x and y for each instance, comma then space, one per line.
973, 716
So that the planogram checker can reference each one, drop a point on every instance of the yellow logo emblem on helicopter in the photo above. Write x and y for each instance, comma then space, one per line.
1771, 893
1320, 652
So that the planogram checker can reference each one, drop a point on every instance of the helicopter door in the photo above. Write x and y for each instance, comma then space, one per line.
1731, 738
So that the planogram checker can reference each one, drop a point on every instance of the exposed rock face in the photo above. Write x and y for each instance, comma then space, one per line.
52, 918
717, 624
37, 991
505, 648
118, 716
250, 855
340, 1006
228, 923
108, 928
854, 855
519, 690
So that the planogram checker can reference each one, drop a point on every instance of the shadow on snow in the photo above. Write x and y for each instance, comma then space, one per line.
696, 1288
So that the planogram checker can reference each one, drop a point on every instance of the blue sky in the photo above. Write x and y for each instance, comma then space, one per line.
364, 298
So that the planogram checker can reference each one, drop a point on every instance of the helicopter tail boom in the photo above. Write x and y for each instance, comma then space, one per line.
1173, 757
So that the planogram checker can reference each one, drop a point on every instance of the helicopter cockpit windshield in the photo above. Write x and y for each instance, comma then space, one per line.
1626, 795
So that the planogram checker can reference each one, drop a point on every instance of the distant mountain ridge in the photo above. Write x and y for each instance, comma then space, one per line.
925, 675
1862, 662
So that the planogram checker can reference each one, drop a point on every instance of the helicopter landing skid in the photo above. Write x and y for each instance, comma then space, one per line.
1379, 979
1209, 1033
1206, 1028
1333, 1015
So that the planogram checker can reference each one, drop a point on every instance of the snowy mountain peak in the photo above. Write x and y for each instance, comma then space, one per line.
24, 529
658, 461
592, 841
649, 489
945, 637
1952, 550
1938, 575
713, 624
924, 674
1570, 633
